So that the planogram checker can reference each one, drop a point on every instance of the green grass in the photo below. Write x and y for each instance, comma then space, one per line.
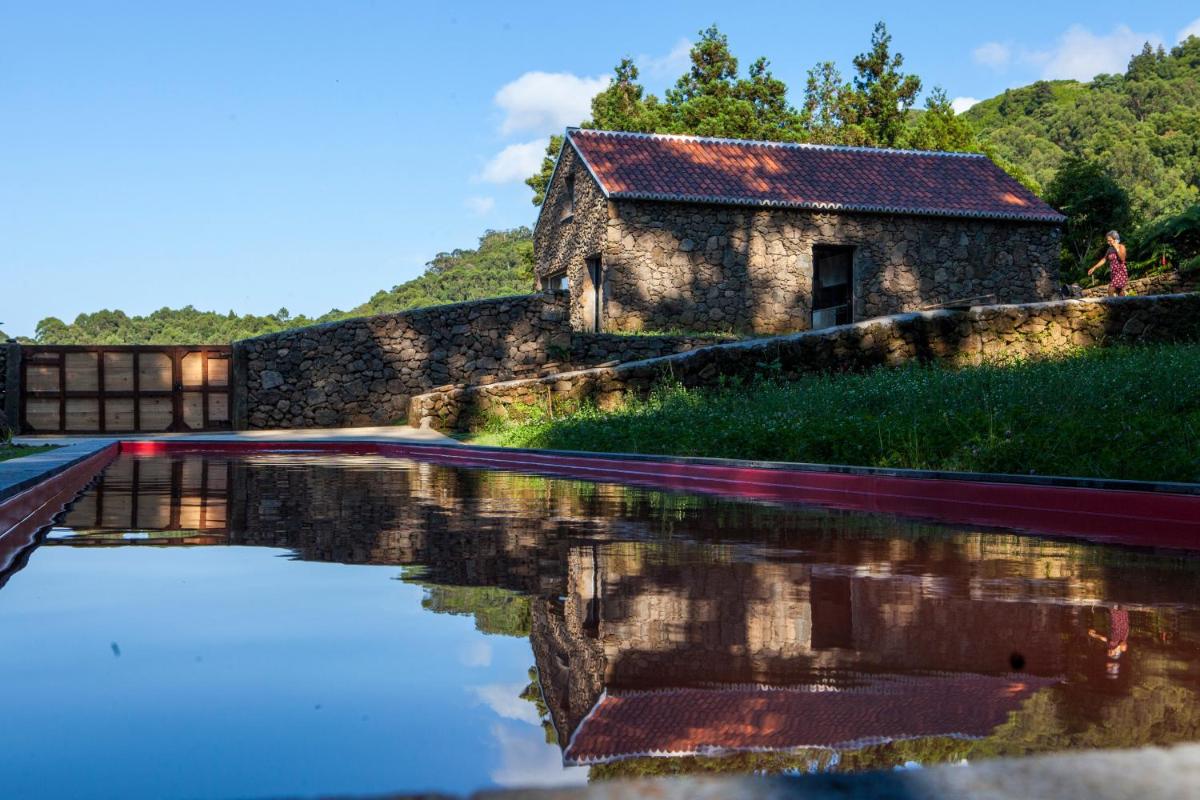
1107, 412
16, 450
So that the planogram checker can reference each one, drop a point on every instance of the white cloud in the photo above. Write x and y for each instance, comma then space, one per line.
1192, 29
1082, 55
505, 700
515, 163
480, 205
526, 760
961, 104
992, 54
546, 102
666, 67
476, 654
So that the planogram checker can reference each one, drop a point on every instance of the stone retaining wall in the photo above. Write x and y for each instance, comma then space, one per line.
363, 371
596, 348
954, 337
10, 362
1165, 283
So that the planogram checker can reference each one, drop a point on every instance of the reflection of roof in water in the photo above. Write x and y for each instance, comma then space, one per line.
698, 721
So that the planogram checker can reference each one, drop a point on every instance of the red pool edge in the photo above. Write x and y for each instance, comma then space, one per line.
1137, 517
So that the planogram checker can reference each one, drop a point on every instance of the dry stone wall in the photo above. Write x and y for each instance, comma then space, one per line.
1165, 283
363, 371
3, 391
951, 336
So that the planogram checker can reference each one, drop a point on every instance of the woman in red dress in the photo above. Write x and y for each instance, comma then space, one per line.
1115, 258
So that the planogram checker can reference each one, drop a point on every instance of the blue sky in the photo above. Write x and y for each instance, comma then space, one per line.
254, 155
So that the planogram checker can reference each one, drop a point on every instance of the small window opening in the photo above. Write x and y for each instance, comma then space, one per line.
557, 282
569, 201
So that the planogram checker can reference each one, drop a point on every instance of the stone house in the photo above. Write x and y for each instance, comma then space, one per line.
655, 232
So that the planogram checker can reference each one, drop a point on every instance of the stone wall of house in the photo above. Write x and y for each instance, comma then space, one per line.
1165, 283
363, 371
951, 336
711, 268
563, 241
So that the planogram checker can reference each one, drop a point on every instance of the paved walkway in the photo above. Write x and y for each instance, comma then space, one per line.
391, 433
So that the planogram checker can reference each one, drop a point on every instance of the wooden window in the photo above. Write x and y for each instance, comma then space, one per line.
557, 282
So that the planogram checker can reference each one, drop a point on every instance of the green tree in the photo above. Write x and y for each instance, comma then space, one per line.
882, 94
824, 111
1094, 203
938, 127
710, 99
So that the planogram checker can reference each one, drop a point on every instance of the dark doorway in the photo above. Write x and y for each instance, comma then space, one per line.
832, 612
594, 296
833, 280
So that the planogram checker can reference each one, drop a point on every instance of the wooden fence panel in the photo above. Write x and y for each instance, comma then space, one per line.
124, 389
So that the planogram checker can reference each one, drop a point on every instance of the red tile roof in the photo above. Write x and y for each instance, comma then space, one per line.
691, 721
729, 171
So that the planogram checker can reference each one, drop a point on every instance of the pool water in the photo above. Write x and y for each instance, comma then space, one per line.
291, 625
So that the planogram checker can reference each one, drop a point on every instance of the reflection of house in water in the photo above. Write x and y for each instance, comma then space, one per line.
676, 654
676, 624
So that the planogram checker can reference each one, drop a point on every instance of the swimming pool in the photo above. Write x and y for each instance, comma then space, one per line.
265, 624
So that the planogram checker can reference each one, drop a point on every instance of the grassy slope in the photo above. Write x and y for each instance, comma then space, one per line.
1115, 413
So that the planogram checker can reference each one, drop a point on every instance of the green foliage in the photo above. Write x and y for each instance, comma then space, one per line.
712, 99
165, 326
1143, 127
708, 100
1107, 412
1176, 237
496, 611
501, 265
939, 128
882, 94
1094, 204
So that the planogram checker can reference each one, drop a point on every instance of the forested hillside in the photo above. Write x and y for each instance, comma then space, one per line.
1142, 127
501, 265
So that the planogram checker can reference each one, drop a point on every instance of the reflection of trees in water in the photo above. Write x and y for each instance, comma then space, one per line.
532, 693
496, 611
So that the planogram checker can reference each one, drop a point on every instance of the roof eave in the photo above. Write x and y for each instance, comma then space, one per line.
718, 200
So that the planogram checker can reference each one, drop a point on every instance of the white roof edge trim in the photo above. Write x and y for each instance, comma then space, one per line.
786, 145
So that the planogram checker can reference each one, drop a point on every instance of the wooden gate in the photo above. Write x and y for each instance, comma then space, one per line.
124, 389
